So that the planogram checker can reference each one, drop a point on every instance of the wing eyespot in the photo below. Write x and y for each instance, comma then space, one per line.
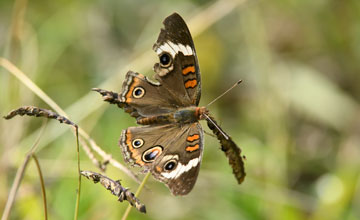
165, 60
138, 92
151, 154
137, 143
170, 165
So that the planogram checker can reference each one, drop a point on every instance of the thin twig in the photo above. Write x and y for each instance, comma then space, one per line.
138, 191
19, 175
42, 184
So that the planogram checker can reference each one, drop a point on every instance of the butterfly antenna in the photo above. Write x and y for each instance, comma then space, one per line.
237, 83
219, 129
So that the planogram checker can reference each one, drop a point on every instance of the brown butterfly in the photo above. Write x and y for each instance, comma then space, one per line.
171, 141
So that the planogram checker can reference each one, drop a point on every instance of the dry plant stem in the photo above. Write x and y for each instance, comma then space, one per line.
19, 175
39, 112
91, 156
138, 191
116, 189
211, 14
13, 47
79, 174
34, 88
42, 185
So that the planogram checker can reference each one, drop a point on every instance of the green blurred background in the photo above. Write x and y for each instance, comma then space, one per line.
296, 115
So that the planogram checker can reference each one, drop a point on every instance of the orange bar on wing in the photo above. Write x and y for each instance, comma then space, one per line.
193, 138
158, 169
187, 70
190, 83
192, 148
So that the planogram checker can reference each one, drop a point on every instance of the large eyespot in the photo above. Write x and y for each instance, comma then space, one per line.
136, 143
165, 60
151, 154
170, 165
138, 92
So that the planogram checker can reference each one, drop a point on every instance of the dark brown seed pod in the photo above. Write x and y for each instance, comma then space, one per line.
115, 187
38, 112
231, 150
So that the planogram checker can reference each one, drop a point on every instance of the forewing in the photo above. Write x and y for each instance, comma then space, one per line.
143, 97
181, 76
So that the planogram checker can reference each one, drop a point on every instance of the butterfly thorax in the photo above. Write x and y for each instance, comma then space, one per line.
185, 115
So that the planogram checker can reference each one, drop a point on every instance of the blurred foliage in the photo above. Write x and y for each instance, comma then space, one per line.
296, 115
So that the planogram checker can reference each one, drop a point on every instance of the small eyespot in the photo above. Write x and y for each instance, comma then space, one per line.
138, 92
165, 60
137, 143
151, 154
170, 165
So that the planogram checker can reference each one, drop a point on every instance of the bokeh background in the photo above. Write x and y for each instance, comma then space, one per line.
296, 115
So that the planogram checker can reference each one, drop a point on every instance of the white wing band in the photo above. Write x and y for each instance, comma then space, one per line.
180, 169
173, 49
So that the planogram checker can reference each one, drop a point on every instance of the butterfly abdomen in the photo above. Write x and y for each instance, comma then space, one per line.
159, 119
181, 116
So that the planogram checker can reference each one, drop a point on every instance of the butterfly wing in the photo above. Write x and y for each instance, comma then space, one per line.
178, 68
142, 97
173, 158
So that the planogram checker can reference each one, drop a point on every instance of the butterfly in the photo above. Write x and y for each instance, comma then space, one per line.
170, 141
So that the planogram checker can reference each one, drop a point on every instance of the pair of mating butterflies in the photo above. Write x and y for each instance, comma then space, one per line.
170, 142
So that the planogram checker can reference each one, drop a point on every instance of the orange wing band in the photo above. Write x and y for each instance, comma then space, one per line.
193, 138
190, 83
132, 150
192, 148
187, 70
